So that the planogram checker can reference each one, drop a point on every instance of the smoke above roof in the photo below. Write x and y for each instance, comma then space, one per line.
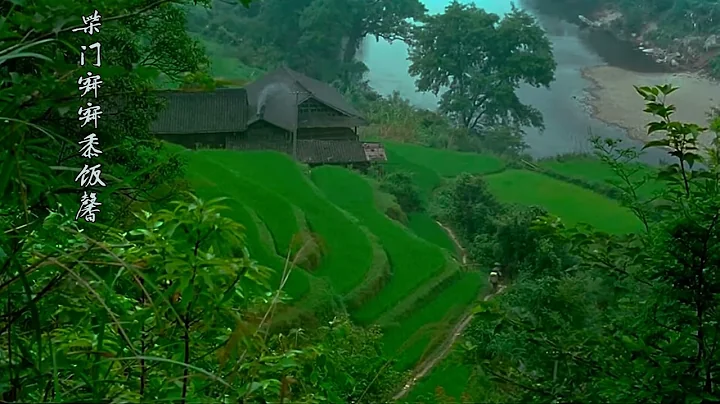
269, 91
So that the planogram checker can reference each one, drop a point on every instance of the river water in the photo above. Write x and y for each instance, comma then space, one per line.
568, 121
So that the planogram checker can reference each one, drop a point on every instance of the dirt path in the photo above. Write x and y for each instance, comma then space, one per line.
440, 353
455, 240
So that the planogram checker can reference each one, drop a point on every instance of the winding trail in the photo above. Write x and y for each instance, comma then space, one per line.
441, 352
455, 240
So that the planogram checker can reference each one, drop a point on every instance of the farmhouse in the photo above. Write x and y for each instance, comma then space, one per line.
284, 111
202, 119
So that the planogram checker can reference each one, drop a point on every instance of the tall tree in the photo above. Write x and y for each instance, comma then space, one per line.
385, 19
477, 60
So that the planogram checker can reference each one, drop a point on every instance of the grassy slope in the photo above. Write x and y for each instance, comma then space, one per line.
250, 183
414, 261
425, 226
450, 374
263, 181
212, 181
446, 163
429, 168
410, 336
425, 178
348, 251
571, 203
593, 170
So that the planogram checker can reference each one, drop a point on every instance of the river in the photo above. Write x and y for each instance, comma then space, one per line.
569, 123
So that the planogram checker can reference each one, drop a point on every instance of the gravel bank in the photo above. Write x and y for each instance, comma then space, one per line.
613, 99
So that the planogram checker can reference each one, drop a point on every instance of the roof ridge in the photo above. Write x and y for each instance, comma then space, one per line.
316, 96
297, 81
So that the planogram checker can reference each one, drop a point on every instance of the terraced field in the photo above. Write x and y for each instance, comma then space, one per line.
569, 202
406, 278
414, 260
594, 171
266, 189
573, 204
450, 375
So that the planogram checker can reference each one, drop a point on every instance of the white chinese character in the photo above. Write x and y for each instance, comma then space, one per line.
92, 22
90, 83
88, 144
96, 46
88, 207
90, 176
91, 113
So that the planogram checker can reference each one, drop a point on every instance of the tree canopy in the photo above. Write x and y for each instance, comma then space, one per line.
317, 37
477, 60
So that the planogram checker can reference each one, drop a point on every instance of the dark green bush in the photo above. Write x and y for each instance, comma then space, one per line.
400, 185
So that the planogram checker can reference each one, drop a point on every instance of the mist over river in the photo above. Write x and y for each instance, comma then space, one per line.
568, 105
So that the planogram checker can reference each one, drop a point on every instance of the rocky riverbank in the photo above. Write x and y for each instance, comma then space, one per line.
613, 99
693, 53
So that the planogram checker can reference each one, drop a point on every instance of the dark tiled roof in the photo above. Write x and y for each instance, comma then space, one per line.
219, 111
311, 151
275, 97
331, 122
330, 151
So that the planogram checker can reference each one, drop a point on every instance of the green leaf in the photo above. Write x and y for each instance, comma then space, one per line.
5, 171
254, 386
287, 363
657, 143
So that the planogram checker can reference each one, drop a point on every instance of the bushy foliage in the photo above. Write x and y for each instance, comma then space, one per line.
353, 368
715, 67
622, 318
317, 37
520, 244
467, 206
400, 185
502, 140
151, 303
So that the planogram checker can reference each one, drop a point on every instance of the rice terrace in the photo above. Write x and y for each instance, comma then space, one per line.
413, 284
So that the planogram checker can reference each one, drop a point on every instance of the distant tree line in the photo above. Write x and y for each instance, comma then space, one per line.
318, 37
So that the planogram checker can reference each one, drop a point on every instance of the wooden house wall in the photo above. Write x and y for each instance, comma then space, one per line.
327, 134
193, 141
261, 136
313, 108
263, 131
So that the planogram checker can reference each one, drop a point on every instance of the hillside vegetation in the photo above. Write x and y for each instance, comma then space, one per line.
335, 204
385, 271
220, 276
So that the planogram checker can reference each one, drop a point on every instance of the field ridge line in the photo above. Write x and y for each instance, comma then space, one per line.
440, 353
406, 304
453, 237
